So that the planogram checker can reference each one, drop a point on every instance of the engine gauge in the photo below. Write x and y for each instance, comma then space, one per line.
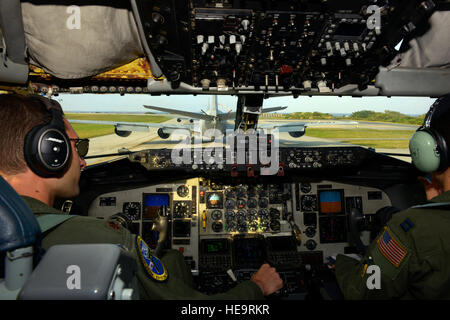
253, 226
252, 215
229, 215
132, 210
241, 215
216, 215
183, 191
263, 202
263, 214
264, 225
241, 192
242, 226
241, 203
231, 226
252, 203
230, 193
230, 204
263, 191
252, 192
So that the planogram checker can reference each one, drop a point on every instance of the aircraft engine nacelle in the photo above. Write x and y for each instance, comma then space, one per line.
164, 133
295, 131
190, 120
122, 133
296, 134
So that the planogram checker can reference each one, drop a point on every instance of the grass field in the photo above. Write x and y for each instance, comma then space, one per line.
85, 130
380, 144
342, 134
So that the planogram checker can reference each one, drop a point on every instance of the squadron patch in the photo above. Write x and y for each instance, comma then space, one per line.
391, 249
154, 267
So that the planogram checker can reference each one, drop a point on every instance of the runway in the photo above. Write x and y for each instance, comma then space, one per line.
111, 144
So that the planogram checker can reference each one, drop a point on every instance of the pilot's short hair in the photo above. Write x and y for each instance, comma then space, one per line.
18, 115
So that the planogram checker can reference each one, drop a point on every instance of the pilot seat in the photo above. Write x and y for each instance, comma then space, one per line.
81, 271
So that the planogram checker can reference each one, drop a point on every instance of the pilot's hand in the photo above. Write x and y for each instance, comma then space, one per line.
432, 187
268, 279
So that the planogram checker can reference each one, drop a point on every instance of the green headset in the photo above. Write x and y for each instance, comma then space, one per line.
428, 148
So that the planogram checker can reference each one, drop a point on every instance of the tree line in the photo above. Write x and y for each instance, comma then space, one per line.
366, 115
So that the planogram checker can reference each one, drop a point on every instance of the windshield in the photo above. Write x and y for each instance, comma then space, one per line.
116, 123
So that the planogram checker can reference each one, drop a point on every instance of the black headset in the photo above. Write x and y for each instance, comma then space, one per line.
47, 147
429, 149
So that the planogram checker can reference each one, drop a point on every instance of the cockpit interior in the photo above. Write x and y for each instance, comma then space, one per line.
308, 203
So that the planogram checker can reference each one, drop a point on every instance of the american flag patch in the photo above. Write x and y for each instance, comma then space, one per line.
391, 249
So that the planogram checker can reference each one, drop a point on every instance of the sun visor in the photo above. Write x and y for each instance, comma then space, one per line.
428, 50
71, 41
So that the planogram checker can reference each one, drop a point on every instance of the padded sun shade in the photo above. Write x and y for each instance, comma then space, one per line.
71, 42
431, 50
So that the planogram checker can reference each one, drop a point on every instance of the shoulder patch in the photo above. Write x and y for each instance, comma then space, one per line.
391, 249
407, 225
114, 225
154, 267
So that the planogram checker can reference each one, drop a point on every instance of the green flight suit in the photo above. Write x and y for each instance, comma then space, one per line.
413, 254
178, 285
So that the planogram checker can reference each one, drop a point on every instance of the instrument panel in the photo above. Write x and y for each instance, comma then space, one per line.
276, 46
240, 161
239, 226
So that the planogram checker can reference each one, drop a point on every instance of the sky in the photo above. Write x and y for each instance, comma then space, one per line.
325, 104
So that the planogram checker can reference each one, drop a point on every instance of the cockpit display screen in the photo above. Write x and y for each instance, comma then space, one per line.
214, 200
330, 201
156, 200
153, 203
281, 243
215, 246
249, 252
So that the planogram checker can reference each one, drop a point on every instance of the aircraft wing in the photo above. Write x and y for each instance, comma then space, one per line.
134, 126
297, 129
265, 110
232, 115
183, 113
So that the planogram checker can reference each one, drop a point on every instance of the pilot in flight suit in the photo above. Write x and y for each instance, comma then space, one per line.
32, 126
413, 250
179, 283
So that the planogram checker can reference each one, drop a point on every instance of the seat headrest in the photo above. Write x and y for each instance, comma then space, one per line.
18, 225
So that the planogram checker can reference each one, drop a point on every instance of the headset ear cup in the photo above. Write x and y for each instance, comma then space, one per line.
47, 151
424, 153
443, 151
